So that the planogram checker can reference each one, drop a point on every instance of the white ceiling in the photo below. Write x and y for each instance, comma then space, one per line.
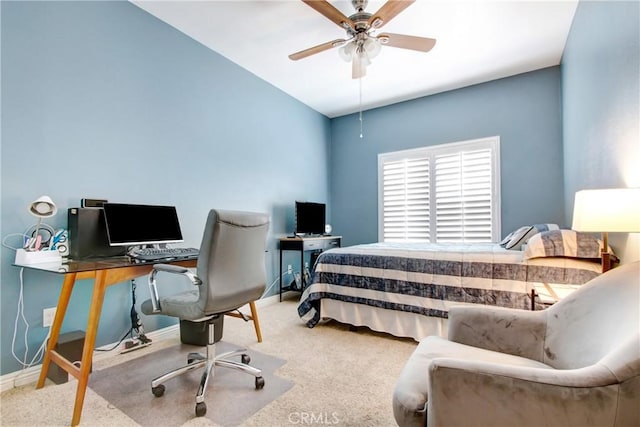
477, 41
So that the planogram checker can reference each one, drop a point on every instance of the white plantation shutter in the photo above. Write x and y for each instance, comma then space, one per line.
463, 196
405, 201
443, 193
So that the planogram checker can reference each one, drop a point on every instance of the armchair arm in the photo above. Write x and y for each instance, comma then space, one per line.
466, 393
505, 330
167, 268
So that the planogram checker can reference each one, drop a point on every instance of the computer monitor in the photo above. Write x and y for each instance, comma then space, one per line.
134, 225
310, 218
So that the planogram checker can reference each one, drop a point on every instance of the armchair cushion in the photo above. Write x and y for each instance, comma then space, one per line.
409, 401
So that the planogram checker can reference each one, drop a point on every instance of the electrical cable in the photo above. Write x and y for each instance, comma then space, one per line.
117, 344
273, 284
20, 314
4, 240
28, 234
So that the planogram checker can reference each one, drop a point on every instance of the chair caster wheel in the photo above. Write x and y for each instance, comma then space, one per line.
246, 359
259, 383
158, 391
201, 409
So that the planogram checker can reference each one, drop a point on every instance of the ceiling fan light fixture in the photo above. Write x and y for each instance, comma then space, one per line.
364, 58
346, 51
372, 47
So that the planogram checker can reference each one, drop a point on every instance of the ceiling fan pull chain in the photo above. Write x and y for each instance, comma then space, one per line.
360, 83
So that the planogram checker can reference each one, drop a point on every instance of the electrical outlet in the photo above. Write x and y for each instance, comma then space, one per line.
289, 269
47, 316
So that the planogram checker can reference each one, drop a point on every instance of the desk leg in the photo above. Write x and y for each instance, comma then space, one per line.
280, 293
90, 339
302, 283
61, 309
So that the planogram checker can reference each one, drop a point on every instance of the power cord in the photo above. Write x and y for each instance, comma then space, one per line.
20, 315
273, 284
136, 325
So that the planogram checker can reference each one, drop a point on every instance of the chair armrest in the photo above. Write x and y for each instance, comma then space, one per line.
167, 268
505, 330
463, 392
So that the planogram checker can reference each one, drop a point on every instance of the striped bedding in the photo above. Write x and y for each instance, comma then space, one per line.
426, 279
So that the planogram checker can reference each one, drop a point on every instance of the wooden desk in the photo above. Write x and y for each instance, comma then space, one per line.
104, 272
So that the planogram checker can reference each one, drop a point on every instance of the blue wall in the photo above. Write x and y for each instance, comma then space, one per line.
601, 105
525, 111
102, 100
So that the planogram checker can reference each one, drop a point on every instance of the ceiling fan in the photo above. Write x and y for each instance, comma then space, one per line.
362, 44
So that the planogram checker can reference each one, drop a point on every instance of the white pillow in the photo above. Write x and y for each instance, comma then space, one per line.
563, 243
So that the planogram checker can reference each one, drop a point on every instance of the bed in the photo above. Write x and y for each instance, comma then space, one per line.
406, 289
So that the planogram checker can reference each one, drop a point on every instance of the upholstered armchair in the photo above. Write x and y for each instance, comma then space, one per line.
576, 363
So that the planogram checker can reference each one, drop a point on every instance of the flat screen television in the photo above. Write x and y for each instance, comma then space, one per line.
133, 225
310, 218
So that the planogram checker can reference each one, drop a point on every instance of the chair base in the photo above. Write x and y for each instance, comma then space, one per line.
208, 361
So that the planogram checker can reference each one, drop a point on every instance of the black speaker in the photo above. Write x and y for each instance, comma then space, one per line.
88, 235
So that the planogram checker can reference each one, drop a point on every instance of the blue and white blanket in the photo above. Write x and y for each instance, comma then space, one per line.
427, 278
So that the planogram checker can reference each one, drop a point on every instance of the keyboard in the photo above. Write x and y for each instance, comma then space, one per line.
162, 254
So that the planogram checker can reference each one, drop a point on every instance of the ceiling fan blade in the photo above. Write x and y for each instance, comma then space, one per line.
330, 12
316, 49
422, 44
388, 11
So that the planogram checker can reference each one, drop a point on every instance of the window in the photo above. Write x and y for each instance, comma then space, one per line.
442, 193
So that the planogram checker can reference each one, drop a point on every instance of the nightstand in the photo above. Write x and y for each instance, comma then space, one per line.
550, 293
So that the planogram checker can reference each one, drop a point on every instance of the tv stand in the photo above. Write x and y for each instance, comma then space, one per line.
302, 245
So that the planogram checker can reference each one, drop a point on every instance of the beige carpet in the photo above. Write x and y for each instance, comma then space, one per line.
340, 377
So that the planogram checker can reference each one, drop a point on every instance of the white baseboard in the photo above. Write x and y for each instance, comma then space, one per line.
30, 375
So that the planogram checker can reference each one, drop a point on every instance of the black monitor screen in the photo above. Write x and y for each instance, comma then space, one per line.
310, 218
129, 225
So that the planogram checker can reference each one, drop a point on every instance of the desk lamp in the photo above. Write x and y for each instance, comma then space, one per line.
42, 207
607, 210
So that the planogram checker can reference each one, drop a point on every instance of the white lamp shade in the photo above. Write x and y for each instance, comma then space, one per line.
43, 207
607, 210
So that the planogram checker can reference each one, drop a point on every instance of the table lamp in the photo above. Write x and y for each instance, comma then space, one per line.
607, 210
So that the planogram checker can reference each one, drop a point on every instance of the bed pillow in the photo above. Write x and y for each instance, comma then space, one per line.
515, 235
562, 243
523, 234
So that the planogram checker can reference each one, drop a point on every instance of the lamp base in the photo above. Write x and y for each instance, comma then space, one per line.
24, 257
608, 260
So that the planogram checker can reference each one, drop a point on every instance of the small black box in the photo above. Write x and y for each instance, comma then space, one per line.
195, 333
